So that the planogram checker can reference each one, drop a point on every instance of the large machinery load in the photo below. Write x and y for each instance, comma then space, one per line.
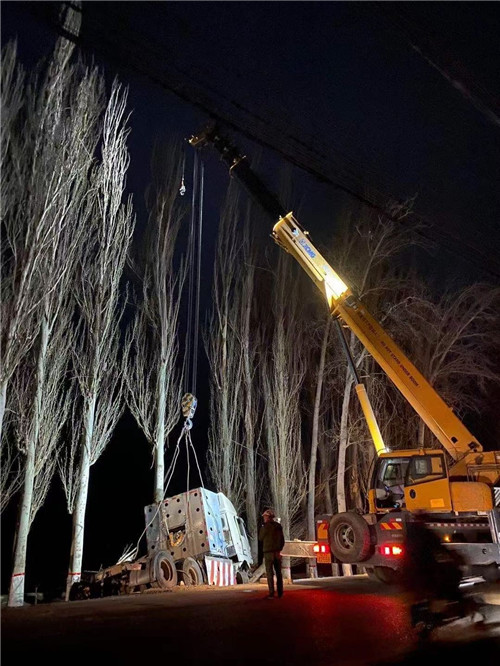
193, 538
457, 487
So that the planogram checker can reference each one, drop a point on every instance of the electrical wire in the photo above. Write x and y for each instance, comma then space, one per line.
97, 36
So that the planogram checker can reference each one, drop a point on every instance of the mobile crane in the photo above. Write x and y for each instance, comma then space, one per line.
460, 491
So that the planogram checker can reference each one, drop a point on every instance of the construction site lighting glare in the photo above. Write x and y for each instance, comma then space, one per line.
334, 287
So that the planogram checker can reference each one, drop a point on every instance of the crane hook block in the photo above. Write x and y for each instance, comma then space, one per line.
188, 405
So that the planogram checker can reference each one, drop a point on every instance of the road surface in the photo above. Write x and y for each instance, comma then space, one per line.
344, 621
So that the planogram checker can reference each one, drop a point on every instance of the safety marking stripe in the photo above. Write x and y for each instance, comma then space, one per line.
392, 525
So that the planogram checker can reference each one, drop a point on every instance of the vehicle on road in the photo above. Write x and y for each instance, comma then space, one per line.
193, 538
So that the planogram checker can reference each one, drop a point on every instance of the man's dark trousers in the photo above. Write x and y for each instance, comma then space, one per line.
273, 565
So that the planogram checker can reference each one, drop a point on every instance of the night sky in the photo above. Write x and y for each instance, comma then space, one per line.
383, 100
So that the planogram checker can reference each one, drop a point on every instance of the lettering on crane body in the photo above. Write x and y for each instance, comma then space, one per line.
307, 248
384, 344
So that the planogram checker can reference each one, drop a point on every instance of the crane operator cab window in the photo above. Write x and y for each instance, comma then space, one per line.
389, 483
426, 468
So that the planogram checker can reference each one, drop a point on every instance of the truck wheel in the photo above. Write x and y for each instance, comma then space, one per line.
242, 577
191, 572
349, 537
164, 571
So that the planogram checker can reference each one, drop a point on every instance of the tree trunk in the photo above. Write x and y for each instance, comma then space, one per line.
78, 529
16, 592
311, 492
341, 465
251, 509
159, 453
3, 402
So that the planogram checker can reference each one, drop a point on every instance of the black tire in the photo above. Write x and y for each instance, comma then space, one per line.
242, 577
349, 536
191, 572
386, 575
164, 571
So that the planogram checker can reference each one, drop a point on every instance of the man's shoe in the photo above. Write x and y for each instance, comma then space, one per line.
270, 596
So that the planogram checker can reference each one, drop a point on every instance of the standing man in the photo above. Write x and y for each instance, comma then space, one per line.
272, 539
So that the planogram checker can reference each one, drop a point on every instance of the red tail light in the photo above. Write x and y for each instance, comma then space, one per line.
322, 548
391, 550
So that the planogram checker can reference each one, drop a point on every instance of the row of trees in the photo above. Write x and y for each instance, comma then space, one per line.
284, 428
67, 368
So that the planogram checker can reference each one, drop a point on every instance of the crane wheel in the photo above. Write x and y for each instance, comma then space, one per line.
349, 537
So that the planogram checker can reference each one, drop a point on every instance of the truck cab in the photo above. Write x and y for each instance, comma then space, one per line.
235, 534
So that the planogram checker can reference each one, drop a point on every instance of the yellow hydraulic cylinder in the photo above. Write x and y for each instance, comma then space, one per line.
370, 419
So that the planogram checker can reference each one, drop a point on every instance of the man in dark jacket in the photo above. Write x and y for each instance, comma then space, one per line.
272, 539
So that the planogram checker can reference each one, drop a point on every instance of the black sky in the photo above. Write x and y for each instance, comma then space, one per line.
385, 99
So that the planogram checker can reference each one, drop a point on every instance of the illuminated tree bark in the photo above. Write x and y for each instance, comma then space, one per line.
47, 152
97, 351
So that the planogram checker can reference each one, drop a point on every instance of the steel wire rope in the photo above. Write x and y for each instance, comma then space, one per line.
168, 478
190, 260
198, 278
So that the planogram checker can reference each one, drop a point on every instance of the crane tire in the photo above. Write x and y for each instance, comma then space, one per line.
164, 571
191, 572
349, 537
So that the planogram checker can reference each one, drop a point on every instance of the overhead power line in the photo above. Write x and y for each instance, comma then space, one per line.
104, 31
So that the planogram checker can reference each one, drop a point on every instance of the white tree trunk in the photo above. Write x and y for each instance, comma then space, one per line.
3, 402
159, 445
78, 519
16, 592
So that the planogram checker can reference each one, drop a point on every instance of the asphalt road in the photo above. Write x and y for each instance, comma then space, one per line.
347, 621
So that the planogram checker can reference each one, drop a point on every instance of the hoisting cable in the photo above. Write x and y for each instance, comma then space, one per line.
194, 246
188, 406
198, 280
189, 401
190, 260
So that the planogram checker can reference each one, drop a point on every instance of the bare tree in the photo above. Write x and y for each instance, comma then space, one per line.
96, 357
311, 483
225, 454
250, 342
154, 383
454, 340
283, 374
47, 154
43, 431
48, 138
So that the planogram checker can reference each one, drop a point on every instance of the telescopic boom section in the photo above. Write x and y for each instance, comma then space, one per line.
291, 236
